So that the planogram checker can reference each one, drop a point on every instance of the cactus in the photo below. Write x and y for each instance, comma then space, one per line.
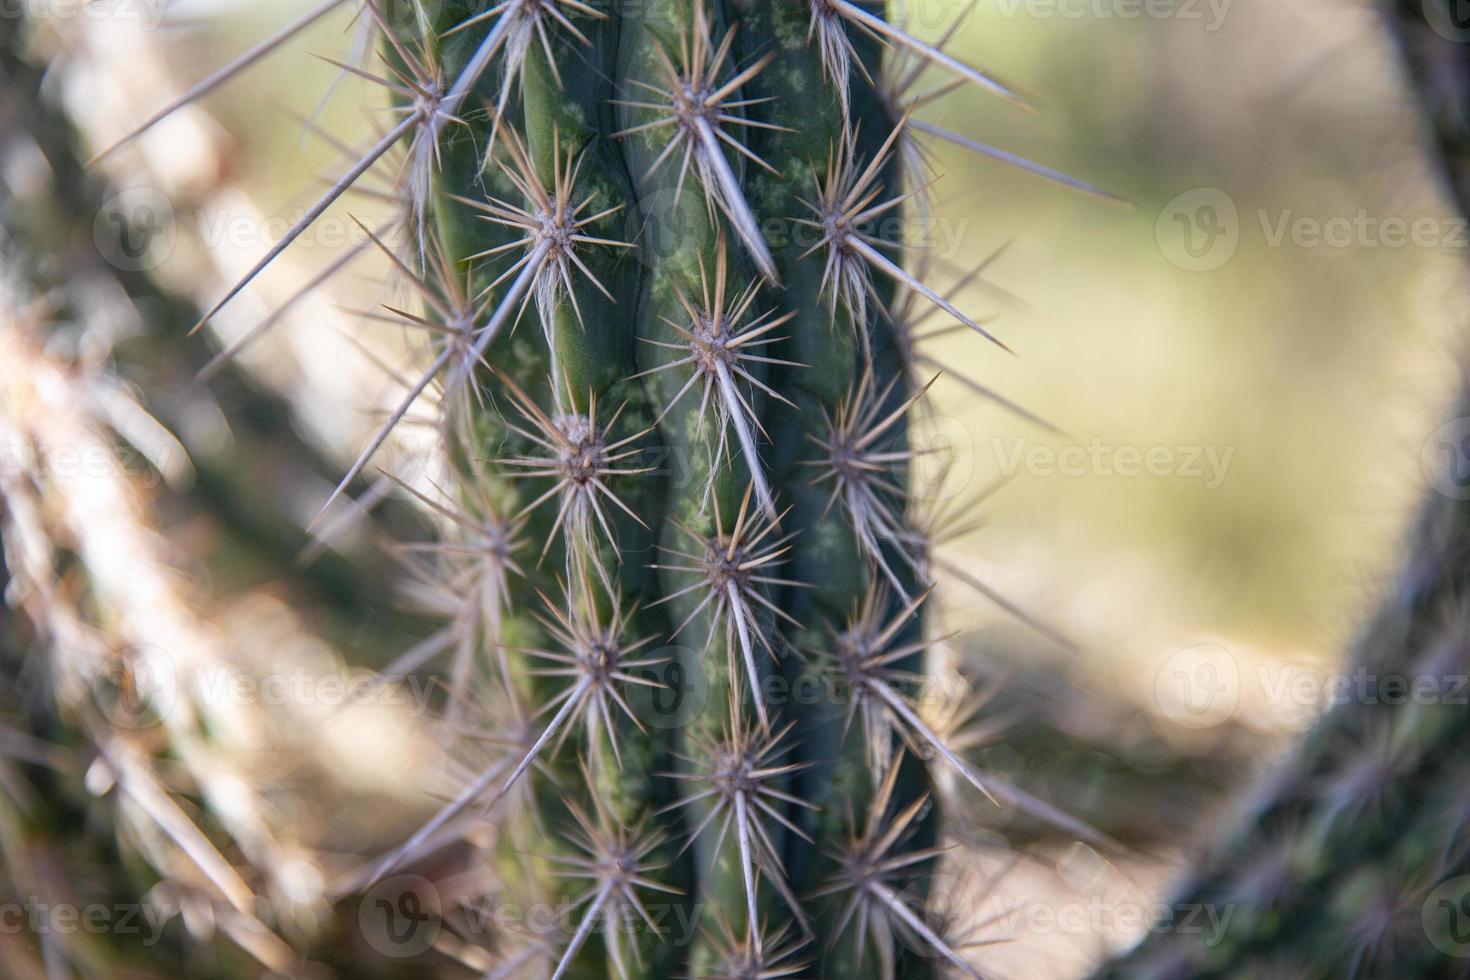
696, 263
671, 356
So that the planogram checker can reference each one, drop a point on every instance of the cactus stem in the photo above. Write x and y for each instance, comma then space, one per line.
695, 104
527, 271
716, 339
726, 187
580, 460
762, 957
768, 798
738, 770
553, 226
862, 661
866, 864
730, 570
617, 861
730, 395
859, 473
518, 23
599, 661
844, 204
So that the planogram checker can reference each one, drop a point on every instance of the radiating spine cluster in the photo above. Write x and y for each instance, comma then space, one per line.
672, 368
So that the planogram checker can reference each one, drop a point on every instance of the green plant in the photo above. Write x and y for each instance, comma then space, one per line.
657, 256
674, 359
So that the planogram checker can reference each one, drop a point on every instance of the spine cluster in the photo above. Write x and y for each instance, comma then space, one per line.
673, 351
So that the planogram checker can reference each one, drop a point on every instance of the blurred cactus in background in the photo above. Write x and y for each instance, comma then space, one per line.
1352, 858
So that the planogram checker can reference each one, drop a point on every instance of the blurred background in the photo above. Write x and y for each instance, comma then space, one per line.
1245, 367
1309, 360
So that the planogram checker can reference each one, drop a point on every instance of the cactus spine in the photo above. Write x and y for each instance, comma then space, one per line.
653, 249
640, 186
671, 211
